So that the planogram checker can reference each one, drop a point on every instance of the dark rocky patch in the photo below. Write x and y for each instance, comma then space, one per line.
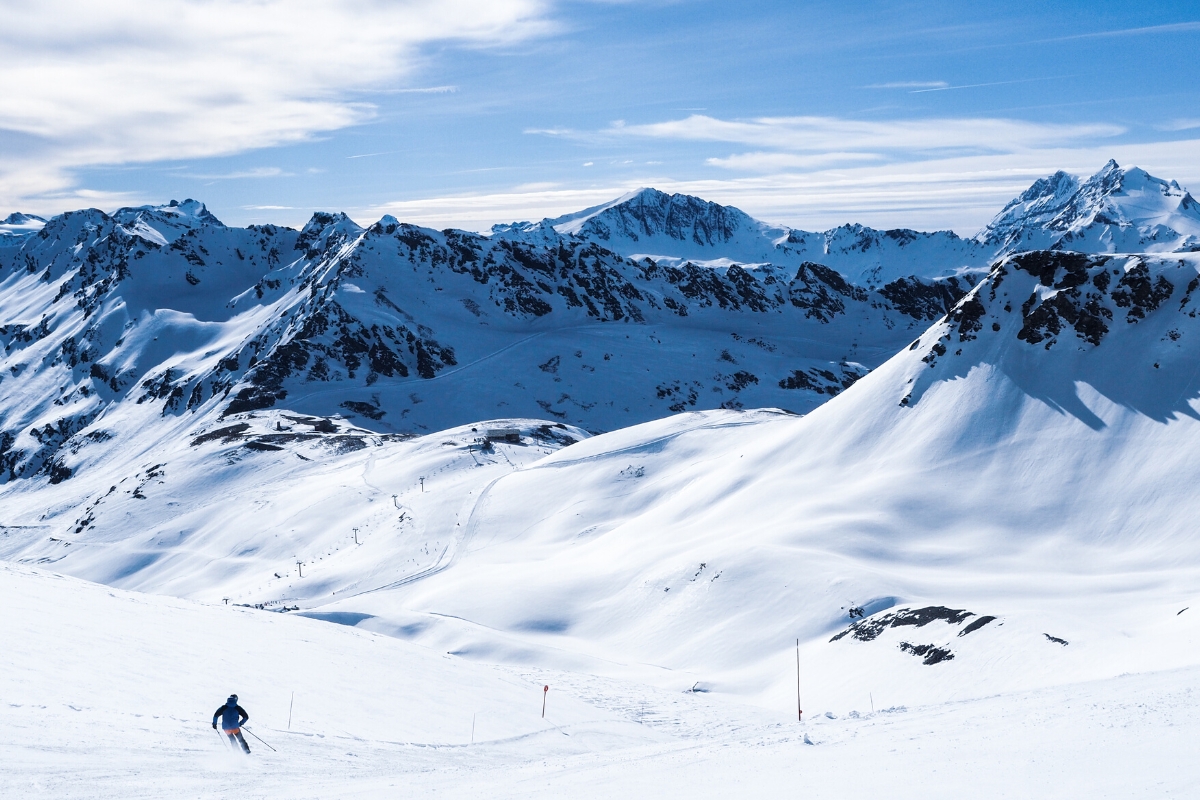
931, 654
822, 292
228, 434
868, 629
976, 625
924, 300
366, 409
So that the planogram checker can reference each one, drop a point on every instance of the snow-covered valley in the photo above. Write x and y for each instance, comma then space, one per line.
974, 545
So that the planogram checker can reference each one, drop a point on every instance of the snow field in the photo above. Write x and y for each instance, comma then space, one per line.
107, 693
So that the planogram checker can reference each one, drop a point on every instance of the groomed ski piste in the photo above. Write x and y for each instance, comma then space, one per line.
109, 693
977, 566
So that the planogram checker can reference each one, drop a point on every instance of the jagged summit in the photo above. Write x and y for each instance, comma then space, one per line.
164, 224
1115, 210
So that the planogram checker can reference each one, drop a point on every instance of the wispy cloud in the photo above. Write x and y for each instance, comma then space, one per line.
258, 172
1148, 30
948, 87
771, 162
1181, 125
907, 85
836, 135
132, 82
420, 90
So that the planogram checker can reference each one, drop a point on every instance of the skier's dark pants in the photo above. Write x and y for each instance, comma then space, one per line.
235, 738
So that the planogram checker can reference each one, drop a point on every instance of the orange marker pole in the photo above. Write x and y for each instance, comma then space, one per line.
545, 691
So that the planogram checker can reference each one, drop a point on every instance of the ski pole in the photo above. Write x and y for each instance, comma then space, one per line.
256, 736
222, 738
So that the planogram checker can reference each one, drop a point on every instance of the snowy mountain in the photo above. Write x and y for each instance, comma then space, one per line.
17, 225
404, 329
986, 540
1114, 211
679, 229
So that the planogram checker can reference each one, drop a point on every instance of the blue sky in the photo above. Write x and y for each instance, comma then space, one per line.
469, 112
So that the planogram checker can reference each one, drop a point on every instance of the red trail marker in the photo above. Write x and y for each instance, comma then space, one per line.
545, 691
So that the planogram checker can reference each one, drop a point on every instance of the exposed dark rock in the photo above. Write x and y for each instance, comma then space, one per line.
976, 625
230, 433
924, 300
868, 629
931, 654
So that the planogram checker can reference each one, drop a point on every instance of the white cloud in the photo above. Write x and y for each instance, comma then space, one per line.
833, 134
771, 162
128, 81
1181, 125
257, 172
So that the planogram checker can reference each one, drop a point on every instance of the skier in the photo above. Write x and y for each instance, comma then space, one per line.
233, 717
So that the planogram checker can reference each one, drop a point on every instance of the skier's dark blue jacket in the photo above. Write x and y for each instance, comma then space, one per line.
232, 715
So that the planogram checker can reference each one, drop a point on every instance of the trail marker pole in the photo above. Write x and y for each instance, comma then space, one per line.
472, 729
291, 703
872, 696
422, 484
545, 691
395, 501
799, 710
300, 565
356, 536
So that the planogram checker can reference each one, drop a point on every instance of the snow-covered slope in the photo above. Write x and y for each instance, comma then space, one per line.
108, 694
1016, 463
1026, 460
1114, 211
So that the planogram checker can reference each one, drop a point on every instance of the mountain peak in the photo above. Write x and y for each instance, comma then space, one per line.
18, 225
188, 213
323, 228
1115, 210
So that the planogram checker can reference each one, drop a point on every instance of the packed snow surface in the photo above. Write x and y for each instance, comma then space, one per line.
110, 694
